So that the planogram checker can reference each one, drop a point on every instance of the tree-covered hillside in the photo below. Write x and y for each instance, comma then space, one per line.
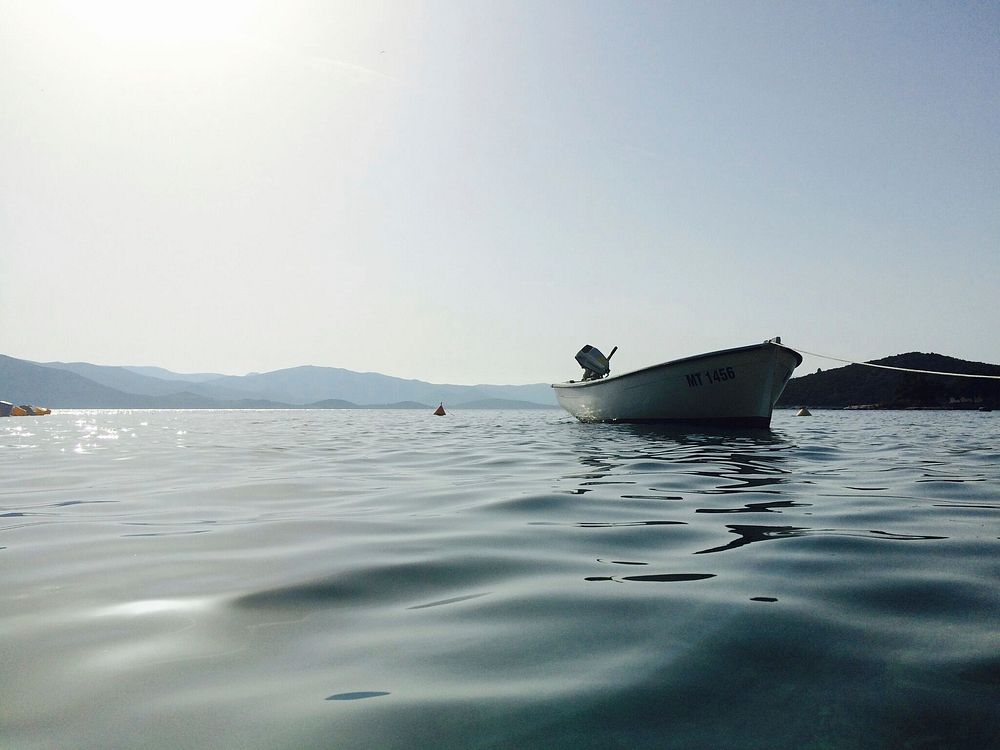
857, 385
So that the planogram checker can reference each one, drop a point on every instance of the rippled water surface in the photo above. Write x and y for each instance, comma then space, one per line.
365, 579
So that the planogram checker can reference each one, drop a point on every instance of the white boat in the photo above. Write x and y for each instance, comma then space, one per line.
733, 387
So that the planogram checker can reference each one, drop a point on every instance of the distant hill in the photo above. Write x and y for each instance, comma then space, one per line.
85, 385
159, 372
857, 385
308, 384
127, 380
23, 382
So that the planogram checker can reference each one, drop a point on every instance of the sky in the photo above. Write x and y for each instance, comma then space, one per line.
468, 192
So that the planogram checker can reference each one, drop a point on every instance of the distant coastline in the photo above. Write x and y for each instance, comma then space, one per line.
82, 385
87, 386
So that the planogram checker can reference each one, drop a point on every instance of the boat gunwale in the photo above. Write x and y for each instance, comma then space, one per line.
671, 363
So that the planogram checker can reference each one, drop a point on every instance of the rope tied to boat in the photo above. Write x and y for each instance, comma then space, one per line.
897, 369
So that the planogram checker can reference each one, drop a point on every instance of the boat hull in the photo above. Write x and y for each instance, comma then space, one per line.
733, 387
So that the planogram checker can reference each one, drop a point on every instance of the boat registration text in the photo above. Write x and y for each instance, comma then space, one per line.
708, 377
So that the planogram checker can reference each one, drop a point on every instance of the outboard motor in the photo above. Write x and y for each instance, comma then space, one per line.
595, 365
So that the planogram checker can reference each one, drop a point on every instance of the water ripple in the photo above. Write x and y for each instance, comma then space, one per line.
264, 577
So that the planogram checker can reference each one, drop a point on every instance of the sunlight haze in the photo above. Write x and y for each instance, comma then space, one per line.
469, 192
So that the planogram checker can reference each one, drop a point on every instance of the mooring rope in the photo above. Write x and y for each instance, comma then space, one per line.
898, 369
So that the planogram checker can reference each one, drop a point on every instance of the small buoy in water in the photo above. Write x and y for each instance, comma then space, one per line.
439, 412
803, 412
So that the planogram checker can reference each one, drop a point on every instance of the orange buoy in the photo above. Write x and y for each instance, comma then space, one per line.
439, 412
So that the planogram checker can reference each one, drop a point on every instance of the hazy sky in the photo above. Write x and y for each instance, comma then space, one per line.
470, 191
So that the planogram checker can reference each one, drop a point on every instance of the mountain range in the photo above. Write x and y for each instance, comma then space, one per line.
83, 385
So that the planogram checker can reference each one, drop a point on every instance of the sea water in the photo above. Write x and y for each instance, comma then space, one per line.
392, 579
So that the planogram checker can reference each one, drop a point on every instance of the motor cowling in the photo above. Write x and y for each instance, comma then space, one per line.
595, 365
